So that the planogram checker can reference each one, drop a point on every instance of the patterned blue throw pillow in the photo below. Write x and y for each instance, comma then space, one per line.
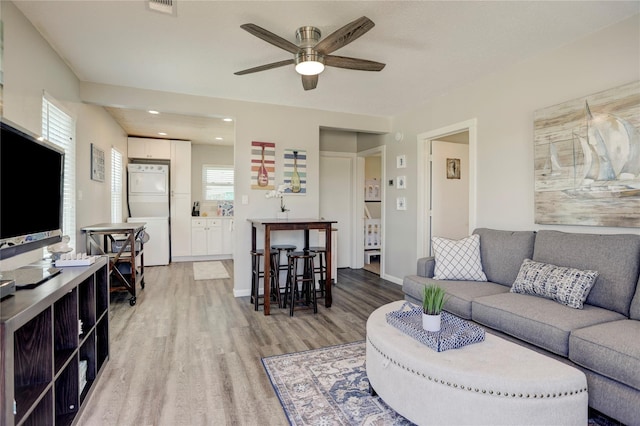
568, 286
458, 259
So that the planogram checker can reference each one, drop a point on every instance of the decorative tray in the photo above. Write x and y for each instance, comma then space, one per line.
454, 332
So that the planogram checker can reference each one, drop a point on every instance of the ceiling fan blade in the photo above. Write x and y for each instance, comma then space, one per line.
352, 63
266, 67
270, 37
344, 35
309, 82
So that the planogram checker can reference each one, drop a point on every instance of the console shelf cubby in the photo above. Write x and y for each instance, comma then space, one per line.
49, 335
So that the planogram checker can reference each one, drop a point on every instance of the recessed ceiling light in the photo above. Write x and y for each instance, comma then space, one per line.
227, 119
218, 138
162, 133
153, 112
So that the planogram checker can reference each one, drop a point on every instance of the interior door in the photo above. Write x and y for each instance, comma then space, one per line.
449, 190
336, 201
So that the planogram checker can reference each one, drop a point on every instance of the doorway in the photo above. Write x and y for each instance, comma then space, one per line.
434, 207
370, 214
449, 180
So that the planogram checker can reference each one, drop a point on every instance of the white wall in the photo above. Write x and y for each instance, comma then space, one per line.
32, 67
504, 104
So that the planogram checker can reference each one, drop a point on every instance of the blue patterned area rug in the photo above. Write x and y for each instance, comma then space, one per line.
329, 386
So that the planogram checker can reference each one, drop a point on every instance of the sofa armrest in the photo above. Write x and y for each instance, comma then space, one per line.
426, 266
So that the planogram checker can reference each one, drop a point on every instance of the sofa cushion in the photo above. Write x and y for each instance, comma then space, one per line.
611, 349
458, 259
568, 286
459, 293
539, 321
615, 257
502, 253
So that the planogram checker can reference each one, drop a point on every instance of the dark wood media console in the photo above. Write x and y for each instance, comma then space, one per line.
50, 335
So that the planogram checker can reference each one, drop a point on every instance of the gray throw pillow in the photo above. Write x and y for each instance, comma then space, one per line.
568, 286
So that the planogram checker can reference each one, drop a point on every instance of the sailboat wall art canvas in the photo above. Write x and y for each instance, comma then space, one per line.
587, 160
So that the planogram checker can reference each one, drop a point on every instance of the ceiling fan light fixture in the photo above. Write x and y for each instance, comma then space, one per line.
309, 63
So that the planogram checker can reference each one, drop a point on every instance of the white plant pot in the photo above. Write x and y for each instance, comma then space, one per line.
431, 322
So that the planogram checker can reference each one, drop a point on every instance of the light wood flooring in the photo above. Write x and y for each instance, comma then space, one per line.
188, 353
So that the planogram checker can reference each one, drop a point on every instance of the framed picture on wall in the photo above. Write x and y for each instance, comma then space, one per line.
263, 165
295, 171
453, 168
97, 163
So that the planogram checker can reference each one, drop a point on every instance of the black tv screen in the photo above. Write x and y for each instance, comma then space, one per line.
31, 192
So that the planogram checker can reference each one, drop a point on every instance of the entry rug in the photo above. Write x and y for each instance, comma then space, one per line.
329, 386
209, 270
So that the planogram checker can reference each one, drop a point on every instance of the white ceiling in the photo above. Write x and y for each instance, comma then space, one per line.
429, 46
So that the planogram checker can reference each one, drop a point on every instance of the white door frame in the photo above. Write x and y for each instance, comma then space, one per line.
355, 189
424, 172
359, 212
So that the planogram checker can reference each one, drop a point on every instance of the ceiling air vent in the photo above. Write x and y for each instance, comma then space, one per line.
163, 6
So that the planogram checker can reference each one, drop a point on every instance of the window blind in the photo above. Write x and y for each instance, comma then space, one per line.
59, 128
217, 182
116, 186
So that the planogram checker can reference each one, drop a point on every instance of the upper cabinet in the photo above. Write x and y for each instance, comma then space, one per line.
181, 167
152, 149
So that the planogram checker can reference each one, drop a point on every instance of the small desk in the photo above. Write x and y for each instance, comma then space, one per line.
126, 254
292, 225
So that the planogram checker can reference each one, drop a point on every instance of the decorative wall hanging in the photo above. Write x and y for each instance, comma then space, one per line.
587, 160
263, 165
453, 168
295, 171
97, 163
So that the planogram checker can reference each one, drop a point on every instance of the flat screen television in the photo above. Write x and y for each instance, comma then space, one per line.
31, 192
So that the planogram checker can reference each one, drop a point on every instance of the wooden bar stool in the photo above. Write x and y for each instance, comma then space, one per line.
307, 294
256, 274
277, 267
321, 268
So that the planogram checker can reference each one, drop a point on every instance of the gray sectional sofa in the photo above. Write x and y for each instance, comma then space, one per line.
602, 339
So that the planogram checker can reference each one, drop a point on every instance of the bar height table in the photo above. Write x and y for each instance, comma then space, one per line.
292, 225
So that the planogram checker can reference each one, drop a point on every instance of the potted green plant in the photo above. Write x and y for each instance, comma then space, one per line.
434, 298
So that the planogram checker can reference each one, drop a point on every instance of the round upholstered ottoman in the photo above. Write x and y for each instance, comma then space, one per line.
492, 382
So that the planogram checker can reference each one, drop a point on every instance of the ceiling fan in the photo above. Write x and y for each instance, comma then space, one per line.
312, 54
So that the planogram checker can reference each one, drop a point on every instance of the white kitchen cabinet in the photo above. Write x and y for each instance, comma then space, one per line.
206, 237
180, 198
181, 167
149, 149
211, 236
198, 237
180, 225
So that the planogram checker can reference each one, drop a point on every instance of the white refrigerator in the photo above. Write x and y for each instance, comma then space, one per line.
148, 198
